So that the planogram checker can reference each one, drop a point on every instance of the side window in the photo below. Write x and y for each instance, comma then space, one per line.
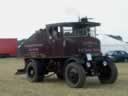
123, 52
116, 53
67, 31
93, 32
54, 32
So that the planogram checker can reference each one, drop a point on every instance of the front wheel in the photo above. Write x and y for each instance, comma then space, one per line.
74, 75
108, 72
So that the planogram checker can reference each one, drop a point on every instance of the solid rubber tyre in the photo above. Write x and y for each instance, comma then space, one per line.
75, 79
34, 71
109, 73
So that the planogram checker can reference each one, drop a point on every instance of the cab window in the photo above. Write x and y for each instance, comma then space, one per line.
79, 31
67, 31
54, 32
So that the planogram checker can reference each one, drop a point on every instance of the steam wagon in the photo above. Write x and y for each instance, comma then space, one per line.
70, 50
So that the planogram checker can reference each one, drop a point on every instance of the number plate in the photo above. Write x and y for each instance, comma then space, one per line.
89, 57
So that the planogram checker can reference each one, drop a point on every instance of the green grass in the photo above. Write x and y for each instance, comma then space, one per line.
17, 85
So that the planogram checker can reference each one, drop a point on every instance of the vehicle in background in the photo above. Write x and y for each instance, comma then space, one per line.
8, 47
118, 55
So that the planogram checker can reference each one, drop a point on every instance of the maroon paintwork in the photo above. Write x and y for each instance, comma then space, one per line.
43, 45
63, 47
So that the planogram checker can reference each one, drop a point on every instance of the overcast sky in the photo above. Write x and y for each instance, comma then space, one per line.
20, 18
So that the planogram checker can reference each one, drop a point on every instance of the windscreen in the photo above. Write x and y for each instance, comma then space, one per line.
79, 31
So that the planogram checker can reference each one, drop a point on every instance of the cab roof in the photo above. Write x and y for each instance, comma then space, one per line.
89, 24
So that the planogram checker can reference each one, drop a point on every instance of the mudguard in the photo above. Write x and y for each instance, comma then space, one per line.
75, 59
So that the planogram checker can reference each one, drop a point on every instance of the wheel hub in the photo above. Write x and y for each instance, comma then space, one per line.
31, 72
73, 75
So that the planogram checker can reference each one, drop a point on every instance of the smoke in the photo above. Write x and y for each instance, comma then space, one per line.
72, 12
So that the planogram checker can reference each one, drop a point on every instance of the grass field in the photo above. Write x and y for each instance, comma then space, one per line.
13, 85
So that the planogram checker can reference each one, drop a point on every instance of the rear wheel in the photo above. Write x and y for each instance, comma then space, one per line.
75, 75
34, 71
108, 73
